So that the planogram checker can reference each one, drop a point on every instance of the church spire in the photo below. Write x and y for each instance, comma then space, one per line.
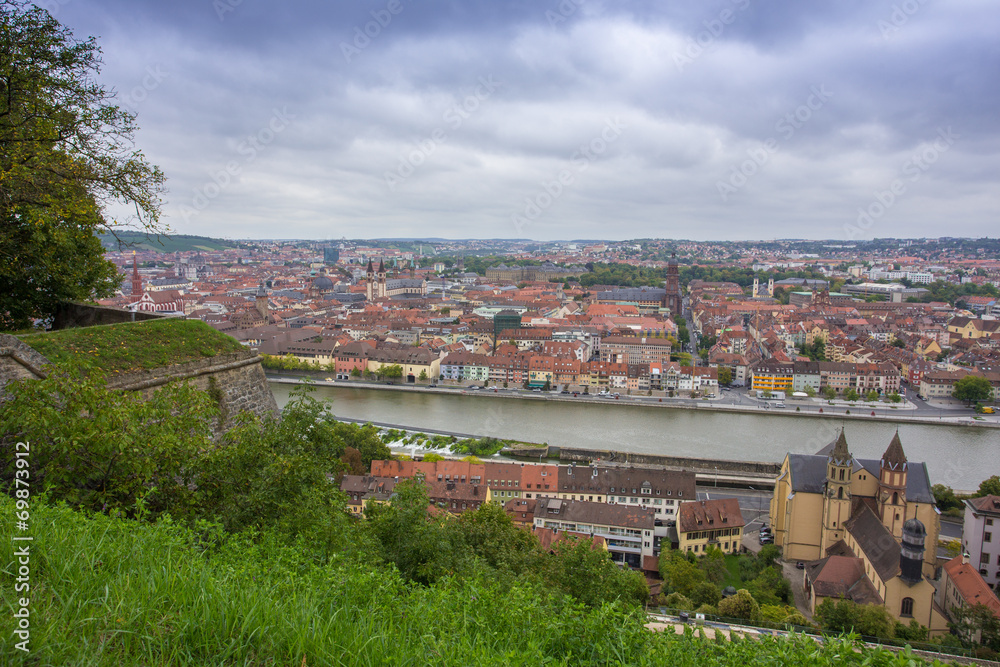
840, 455
136, 280
894, 458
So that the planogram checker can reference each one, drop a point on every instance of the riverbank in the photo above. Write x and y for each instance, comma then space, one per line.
860, 412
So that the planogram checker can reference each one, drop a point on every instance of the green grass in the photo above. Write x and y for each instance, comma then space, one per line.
110, 592
732, 572
121, 348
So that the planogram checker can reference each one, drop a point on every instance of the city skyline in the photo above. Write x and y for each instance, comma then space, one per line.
570, 120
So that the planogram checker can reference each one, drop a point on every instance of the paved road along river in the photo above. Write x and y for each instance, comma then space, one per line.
958, 456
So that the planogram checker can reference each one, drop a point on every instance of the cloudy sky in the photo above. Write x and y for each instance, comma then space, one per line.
719, 119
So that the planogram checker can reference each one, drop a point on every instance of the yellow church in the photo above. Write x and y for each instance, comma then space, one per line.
867, 529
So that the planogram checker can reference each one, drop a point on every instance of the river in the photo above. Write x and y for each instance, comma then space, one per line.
957, 456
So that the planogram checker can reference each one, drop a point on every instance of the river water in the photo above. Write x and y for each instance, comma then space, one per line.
957, 456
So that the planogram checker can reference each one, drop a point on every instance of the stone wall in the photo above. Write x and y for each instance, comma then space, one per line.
568, 454
236, 379
18, 360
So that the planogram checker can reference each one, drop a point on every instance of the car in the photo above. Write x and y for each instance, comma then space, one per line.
800, 566
475, 387
537, 389
766, 539
779, 405
564, 391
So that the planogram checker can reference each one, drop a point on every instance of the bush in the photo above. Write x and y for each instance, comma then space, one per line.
742, 605
678, 601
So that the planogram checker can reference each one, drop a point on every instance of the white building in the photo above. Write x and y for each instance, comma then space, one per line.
980, 536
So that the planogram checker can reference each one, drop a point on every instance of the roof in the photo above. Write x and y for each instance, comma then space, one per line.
595, 513
985, 504
875, 540
841, 576
970, 584
709, 514
894, 458
808, 475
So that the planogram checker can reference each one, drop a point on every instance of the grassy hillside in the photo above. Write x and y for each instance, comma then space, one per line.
172, 243
110, 592
120, 348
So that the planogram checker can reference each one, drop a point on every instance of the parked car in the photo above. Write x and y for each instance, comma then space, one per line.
779, 405
800, 565
474, 387
564, 391
537, 389
766, 539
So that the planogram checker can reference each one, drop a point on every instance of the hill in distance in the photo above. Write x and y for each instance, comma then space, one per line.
162, 243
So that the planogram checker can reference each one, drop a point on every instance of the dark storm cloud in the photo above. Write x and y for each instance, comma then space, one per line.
734, 118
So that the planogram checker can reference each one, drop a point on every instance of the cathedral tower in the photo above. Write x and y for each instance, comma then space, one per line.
836, 493
891, 496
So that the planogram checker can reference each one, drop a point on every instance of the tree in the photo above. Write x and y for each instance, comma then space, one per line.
586, 572
742, 605
871, 620
977, 620
392, 371
423, 375
725, 376
945, 498
679, 574
810, 391
768, 393
851, 394
355, 372
65, 156
872, 395
989, 487
972, 388
491, 536
419, 544
895, 398
713, 564
830, 392
706, 593
100, 449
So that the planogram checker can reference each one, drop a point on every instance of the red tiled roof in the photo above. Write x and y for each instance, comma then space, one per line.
970, 585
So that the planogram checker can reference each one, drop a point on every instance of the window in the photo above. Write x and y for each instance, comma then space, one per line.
989, 522
984, 558
987, 537
906, 609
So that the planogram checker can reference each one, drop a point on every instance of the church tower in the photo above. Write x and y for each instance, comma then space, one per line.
770, 287
756, 289
836, 493
672, 295
136, 280
260, 300
370, 285
381, 279
891, 496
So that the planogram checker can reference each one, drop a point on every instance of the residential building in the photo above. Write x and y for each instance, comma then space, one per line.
981, 536
717, 523
628, 532
961, 587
